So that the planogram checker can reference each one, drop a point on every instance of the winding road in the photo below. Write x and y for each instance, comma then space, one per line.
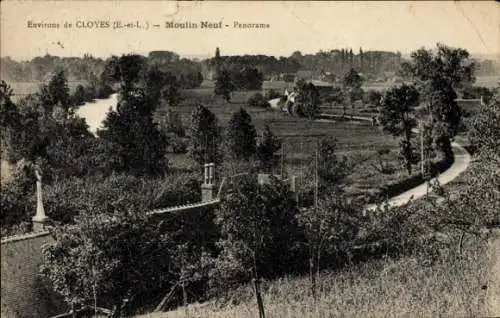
461, 162
462, 159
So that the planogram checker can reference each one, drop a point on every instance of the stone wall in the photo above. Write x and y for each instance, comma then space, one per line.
23, 292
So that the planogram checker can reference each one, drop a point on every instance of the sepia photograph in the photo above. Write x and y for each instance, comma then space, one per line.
279, 159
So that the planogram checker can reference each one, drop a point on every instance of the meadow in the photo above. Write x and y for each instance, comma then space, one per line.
359, 142
405, 287
21, 89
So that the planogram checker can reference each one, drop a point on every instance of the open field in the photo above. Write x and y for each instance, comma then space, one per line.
450, 287
488, 81
21, 89
358, 141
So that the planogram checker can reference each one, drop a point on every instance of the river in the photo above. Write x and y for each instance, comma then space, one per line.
94, 112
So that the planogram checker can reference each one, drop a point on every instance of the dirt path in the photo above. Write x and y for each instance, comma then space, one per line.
493, 292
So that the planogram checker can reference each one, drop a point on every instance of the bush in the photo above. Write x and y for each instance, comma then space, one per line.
17, 203
258, 100
66, 198
178, 146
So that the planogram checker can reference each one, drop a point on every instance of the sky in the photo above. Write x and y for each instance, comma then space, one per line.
304, 26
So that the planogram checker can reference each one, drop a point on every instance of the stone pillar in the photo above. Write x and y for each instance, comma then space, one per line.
40, 219
207, 188
292, 183
206, 172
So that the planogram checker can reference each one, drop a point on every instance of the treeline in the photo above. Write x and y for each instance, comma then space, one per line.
91, 69
334, 61
41, 68
268, 65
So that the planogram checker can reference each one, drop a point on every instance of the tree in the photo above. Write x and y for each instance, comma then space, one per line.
361, 60
56, 93
397, 117
10, 121
249, 78
258, 100
133, 137
217, 62
484, 129
224, 85
439, 77
39, 131
258, 232
328, 228
154, 85
126, 70
129, 134
351, 58
204, 136
476, 205
307, 99
79, 96
267, 147
331, 169
351, 84
172, 95
105, 259
241, 136
373, 97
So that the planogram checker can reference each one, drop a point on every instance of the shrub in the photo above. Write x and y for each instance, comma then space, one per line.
17, 204
178, 146
258, 100
66, 198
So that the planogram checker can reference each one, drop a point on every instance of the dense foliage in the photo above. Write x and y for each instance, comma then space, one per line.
241, 136
439, 76
224, 85
204, 136
258, 229
267, 148
397, 117
307, 100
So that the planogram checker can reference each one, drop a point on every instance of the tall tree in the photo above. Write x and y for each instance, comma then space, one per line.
10, 123
440, 76
132, 136
204, 136
224, 85
332, 169
268, 145
484, 130
126, 70
218, 62
56, 93
361, 60
351, 84
351, 59
328, 229
308, 99
258, 228
104, 258
397, 117
241, 136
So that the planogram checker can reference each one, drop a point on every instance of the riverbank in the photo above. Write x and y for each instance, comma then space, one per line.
95, 111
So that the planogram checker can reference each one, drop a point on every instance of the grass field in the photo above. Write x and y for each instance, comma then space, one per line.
359, 141
21, 89
450, 287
